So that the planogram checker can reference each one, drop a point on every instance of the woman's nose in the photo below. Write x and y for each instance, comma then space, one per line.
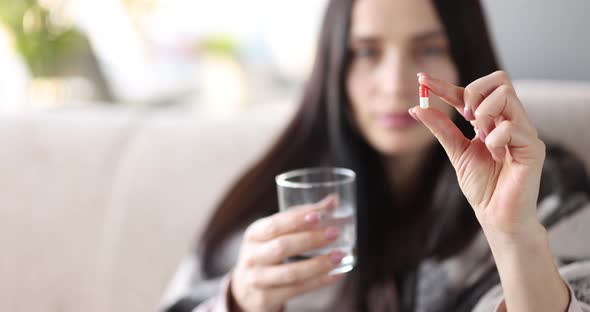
396, 76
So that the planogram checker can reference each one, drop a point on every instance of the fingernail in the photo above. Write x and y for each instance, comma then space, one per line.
312, 217
468, 113
331, 201
335, 201
331, 233
482, 135
412, 113
336, 257
333, 277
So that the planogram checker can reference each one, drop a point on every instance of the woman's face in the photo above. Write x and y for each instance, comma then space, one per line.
390, 42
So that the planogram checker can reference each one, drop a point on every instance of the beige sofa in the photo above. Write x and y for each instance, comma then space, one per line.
98, 206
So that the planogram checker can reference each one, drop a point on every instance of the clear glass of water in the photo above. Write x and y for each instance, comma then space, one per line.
311, 185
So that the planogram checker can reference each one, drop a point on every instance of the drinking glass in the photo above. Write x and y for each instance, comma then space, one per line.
311, 185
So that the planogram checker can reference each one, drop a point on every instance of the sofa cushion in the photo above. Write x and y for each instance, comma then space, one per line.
560, 110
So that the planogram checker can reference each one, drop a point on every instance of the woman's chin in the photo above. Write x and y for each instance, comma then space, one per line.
402, 146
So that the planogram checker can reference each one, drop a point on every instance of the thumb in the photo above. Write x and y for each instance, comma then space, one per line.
443, 128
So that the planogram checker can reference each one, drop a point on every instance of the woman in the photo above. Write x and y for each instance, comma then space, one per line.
445, 222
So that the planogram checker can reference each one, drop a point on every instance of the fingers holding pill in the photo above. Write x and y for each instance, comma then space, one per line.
449, 93
493, 109
486, 102
443, 128
499, 169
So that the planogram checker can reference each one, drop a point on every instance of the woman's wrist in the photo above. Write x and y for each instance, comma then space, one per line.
527, 237
529, 277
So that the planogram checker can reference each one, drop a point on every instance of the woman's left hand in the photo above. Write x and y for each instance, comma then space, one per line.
499, 170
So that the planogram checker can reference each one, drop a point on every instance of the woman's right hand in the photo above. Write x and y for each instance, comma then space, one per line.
261, 281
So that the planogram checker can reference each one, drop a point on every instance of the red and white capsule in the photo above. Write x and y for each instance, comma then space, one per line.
423, 90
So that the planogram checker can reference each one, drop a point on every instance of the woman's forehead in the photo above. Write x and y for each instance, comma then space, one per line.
398, 19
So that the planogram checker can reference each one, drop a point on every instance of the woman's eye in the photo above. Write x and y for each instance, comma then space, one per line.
366, 52
431, 51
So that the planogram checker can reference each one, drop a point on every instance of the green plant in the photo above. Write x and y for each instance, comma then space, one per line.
43, 43
220, 44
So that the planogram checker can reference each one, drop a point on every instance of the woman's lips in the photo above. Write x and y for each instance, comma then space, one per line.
396, 120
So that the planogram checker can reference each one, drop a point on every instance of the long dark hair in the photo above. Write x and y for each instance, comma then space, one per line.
391, 240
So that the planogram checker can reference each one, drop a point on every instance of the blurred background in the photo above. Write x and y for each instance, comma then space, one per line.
224, 55
230, 54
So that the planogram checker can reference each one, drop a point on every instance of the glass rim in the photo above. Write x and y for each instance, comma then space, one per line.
282, 179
